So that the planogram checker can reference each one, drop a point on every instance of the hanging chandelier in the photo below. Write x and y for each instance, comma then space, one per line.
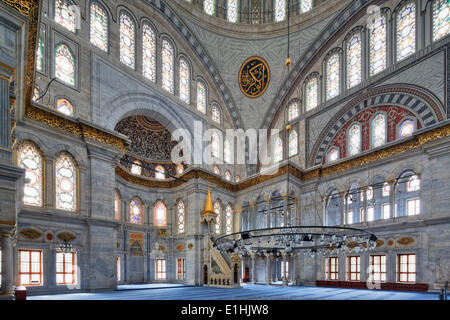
311, 240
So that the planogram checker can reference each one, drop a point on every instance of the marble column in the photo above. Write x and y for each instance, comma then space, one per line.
284, 275
5, 117
268, 268
285, 210
292, 269
252, 217
253, 257
392, 199
276, 269
7, 264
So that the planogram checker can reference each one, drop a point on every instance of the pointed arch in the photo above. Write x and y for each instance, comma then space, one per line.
99, 25
127, 41
160, 214
65, 64
29, 157
66, 182
136, 211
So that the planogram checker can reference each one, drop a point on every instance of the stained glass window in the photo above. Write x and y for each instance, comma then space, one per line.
64, 106
201, 97
406, 31
185, 83
441, 19
279, 10
40, 51
180, 169
293, 143
64, 64
167, 66
406, 129
160, 214
29, 158
278, 150
117, 206
218, 211
66, 183
379, 128
160, 173
136, 168
65, 15
369, 193
215, 145
149, 52
354, 58
229, 219
233, 10
228, 176
99, 27
312, 94
136, 209
333, 155
215, 114
36, 94
306, 5
386, 190
354, 140
180, 217
413, 184
209, 6
227, 152
333, 76
217, 170
378, 45
127, 40
238, 179
293, 110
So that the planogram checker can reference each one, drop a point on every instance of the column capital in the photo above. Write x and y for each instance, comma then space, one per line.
253, 204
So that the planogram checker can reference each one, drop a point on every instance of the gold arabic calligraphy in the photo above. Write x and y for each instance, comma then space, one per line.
254, 77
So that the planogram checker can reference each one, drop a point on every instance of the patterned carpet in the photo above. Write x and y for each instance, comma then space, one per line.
247, 292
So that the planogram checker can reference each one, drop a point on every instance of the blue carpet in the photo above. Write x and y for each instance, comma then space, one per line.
248, 292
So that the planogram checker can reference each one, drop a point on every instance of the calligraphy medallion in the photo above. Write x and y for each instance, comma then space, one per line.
254, 77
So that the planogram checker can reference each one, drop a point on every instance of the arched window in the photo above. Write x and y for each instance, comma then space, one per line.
333, 75
233, 10
66, 183
216, 114
277, 150
406, 31
369, 193
312, 94
306, 5
333, 155
64, 106
216, 170
185, 81
441, 19
279, 10
40, 55
293, 143
227, 152
65, 15
218, 211
30, 159
64, 64
36, 94
180, 217
201, 97
229, 219
99, 27
215, 145
386, 190
136, 211
160, 214
228, 176
406, 129
354, 139
378, 130
136, 168
293, 111
354, 60
180, 169
117, 206
167, 66
209, 6
160, 173
413, 184
238, 179
378, 45
149, 52
127, 40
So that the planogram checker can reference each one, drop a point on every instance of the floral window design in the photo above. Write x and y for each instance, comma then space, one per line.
232, 10
379, 129
306, 5
216, 170
215, 114
99, 27
29, 158
354, 60
406, 129
180, 217
413, 184
160, 173
293, 111
185, 77
312, 94
65, 15
65, 178
149, 52
160, 214
228, 176
64, 106
293, 143
218, 211
280, 10
36, 94
238, 179
441, 19
354, 140
40, 51
406, 31
117, 209
209, 6
64, 64
378, 45
127, 40
333, 75
201, 97
229, 219
136, 168
136, 209
333, 155
386, 190
167, 66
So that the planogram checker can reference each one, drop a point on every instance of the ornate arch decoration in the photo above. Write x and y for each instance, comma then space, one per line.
420, 102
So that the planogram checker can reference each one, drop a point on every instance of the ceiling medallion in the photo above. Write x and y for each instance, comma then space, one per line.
254, 77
